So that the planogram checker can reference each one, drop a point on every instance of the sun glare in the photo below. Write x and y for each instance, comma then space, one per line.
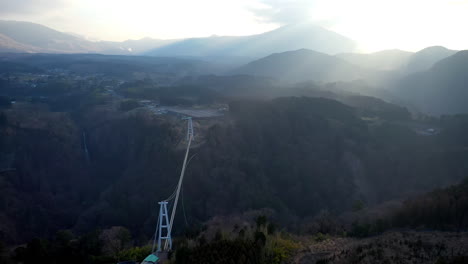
374, 24
408, 25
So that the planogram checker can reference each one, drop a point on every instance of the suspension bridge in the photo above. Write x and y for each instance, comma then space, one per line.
162, 242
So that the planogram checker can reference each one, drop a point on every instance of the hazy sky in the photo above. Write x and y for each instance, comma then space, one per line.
375, 24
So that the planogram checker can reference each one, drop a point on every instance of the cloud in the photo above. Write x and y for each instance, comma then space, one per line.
283, 11
25, 7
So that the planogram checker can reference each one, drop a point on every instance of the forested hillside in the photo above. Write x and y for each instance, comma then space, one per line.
294, 155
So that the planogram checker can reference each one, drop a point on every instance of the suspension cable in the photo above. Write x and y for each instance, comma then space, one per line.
175, 190
172, 196
179, 186
183, 208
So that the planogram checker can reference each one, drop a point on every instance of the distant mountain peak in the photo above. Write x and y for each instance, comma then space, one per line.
434, 48
285, 38
427, 57
441, 89
302, 65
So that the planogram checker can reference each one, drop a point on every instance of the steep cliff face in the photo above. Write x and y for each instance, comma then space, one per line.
135, 163
52, 179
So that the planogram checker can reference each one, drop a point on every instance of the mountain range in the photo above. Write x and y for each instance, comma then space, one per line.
29, 37
302, 65
26, 37
443, 89
399, 60
377, 68
16, 36
286, 38
432, 80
